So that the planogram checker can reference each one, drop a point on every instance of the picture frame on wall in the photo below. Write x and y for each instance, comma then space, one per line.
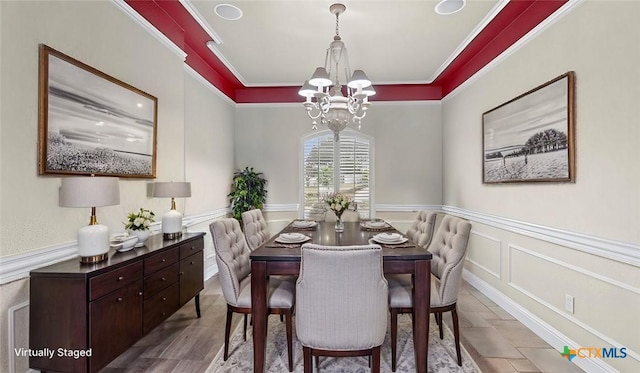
531, 138
92, 123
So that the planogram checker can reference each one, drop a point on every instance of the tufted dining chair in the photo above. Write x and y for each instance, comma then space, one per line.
234, 267
448, 249
255, 228
341, 307
421, 230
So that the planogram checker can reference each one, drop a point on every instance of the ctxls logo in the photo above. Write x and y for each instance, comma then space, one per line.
594, 352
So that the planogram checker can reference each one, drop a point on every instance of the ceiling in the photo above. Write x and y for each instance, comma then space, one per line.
408, 50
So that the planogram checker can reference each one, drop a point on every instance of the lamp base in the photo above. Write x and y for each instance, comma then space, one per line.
93, 243
93, 259
171, 236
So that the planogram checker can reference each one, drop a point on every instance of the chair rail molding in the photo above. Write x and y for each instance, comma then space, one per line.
17, 267
623, 252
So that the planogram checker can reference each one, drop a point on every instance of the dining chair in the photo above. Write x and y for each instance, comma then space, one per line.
421, 230
256, 229
234, 267
341, 307
448, 249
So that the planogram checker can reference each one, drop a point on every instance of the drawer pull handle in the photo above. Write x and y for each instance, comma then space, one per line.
164, 299
120, 278
191, 263
119, 299
164, 279
164, 314
139, 293
181, 273
164, 260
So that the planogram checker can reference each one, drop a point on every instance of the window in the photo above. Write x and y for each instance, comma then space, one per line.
345, 166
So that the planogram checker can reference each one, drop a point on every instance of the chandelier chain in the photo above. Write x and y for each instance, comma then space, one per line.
338, 24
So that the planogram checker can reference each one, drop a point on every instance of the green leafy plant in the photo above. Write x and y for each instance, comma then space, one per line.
247, 192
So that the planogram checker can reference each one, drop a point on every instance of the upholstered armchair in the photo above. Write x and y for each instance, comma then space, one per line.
341, 307
448, 248
234, 267
255, 228
421, 230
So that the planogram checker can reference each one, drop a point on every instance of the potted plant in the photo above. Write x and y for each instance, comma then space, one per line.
247, 192
138, 224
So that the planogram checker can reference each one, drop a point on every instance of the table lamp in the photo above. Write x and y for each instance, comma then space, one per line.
93, 240
172, 220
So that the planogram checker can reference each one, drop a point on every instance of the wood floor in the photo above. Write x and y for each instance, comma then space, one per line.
183, 343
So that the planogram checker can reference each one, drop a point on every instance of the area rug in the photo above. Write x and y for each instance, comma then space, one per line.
442, 353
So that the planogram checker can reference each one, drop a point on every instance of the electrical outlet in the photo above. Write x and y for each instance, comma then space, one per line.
569, 303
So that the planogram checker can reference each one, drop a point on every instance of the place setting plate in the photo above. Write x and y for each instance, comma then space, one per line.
304, 224
292, 238
389, 238
375, 225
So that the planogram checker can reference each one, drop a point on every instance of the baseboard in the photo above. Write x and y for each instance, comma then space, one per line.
545, 331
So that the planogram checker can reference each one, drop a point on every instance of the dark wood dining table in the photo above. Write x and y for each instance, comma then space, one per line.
273, 258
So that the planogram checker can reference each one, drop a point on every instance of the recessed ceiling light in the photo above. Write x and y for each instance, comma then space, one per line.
228, 12
446, 7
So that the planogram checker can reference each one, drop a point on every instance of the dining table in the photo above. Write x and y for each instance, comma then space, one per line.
283, 258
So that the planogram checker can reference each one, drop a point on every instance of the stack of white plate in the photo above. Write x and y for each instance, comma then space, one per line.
292, 238
375, 224
389, 238
304, 224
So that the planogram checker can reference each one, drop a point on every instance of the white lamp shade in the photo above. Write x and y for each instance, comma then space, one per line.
320, 78
307, 90
359, 79
172, 189
89, 191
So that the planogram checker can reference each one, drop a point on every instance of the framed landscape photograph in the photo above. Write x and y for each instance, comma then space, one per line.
531, 137
92, 123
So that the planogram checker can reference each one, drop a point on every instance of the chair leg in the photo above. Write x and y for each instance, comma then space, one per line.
306, 357
375, 365
456, 334
394, 337
227, 331
317, 359
244, 331
439, 320
287, 317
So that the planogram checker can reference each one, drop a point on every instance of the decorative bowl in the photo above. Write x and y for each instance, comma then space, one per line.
124, 242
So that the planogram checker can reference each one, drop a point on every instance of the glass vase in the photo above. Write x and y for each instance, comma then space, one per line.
339, 224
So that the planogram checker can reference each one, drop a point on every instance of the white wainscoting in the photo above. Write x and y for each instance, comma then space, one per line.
545, 331
489, 255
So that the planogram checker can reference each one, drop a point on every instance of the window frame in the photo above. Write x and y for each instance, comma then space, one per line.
336, 169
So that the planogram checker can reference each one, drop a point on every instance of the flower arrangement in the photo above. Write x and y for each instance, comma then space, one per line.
338, 202
138, 221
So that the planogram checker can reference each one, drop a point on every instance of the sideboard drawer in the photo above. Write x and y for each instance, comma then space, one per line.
191, 248
108, 282
160, 280
160, 306
161, 260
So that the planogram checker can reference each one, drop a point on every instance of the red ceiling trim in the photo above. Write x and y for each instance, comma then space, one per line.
514, 21
510, 25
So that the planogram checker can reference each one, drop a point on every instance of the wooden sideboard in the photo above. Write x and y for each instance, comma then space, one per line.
82, 316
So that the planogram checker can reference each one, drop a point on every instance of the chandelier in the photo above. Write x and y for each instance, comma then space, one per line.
325, 98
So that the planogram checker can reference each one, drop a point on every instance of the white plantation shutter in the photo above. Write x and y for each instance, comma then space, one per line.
318, 173
328, 166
